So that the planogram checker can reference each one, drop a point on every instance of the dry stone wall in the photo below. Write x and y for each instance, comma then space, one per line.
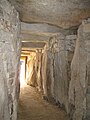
10, 46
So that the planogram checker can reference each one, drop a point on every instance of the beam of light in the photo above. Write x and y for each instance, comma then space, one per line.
22, 75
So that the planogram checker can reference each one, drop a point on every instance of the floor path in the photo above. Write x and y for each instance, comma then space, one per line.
33, 107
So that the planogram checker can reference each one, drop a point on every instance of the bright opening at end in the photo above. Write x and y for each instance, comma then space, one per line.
22, 73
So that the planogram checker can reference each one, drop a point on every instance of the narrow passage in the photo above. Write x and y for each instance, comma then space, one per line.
33, 107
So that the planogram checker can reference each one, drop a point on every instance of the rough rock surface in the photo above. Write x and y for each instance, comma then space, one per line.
9, 61
79, 95
62, 68
56, 72
63, 13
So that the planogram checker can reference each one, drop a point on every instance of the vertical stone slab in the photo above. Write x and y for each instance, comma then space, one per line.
31, 76
86, 35
60, 70
10, 46
80, 67
44, 68
39, 68
70, 44
62, 49
47, 72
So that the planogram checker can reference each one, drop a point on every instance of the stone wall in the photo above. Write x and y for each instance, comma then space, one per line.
9, 61
56, 72
79, 95
62, 71
65, 72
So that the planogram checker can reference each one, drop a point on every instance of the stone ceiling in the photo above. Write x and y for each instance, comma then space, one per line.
62, 13
41, 19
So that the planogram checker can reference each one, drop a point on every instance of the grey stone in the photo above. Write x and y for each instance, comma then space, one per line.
80, 76
9, 81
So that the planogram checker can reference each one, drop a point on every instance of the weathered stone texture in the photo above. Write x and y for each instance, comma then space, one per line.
47, 72
63, 13
62, 69
79, 96
9, 60
33, 72
31, 76
64, 66
38, 68
57, 57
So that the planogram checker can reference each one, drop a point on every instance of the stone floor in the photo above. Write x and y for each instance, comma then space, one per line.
33, 107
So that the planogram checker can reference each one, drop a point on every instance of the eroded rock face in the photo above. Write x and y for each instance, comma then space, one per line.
79, 95
9, 61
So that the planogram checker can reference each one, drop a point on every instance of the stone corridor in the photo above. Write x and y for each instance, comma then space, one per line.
33, 107
51, 40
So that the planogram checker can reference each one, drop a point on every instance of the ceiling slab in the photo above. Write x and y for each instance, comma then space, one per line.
33, 38
33, 45
41, 29
62, 13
